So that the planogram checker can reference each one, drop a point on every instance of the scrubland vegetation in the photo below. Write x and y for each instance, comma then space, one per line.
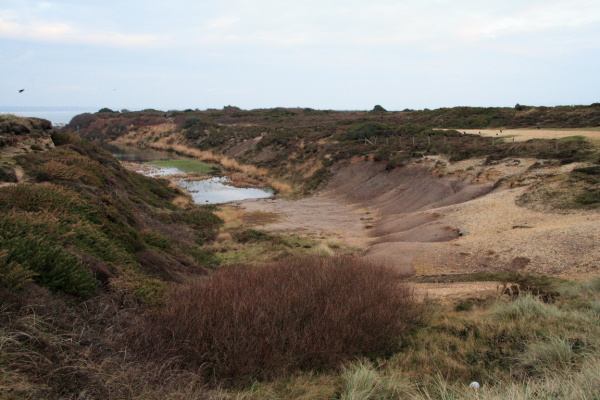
110, 290
300, 146
312, 333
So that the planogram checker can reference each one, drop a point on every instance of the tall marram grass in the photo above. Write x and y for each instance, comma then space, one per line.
312, 313
361, 381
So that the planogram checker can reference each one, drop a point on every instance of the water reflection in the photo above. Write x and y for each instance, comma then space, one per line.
216, 191
159, 172
207, 191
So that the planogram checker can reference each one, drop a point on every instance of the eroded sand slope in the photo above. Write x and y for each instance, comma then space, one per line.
432, 217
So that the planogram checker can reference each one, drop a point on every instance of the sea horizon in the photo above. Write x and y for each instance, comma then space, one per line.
56, 115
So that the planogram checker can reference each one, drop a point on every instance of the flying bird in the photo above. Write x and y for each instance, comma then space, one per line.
21, 90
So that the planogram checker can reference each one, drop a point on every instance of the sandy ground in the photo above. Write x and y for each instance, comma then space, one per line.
439, 218
458, 290
425, 224
318, 217
521, 135
501, 235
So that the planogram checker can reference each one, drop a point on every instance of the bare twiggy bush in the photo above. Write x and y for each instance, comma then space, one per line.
300, 314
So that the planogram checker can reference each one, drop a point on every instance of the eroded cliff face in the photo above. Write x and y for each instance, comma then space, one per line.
433, 217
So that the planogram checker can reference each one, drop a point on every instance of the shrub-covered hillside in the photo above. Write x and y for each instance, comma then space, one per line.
301, 145
77, 222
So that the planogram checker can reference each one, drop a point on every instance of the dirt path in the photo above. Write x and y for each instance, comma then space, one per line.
319, 217
456, 290
521, 135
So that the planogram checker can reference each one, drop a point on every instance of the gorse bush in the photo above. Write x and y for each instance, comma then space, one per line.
53, 198
300, 314
93, 219
365, 130
48, 265
13, 276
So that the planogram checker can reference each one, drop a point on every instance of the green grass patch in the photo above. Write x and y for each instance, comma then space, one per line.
186, 166
576, 138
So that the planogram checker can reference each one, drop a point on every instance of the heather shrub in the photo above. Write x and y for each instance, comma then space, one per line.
365, 130
314, 313
82, 121
204, 223
251, 235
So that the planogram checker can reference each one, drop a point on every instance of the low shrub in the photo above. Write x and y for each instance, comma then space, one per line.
55, 198
299, 314
7, 173
196, 127
48, 265
365, 130
13, 276
588, 198
204, 223
156, 239
251, 235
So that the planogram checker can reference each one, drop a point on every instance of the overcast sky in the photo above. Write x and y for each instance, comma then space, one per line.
325, 54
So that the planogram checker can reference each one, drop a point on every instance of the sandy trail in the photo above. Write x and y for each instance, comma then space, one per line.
456, 290
521, 135
320, 217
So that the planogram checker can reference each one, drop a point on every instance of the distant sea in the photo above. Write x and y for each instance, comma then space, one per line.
56, 115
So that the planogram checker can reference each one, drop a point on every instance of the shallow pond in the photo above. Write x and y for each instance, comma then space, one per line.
208, 191
216, 191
